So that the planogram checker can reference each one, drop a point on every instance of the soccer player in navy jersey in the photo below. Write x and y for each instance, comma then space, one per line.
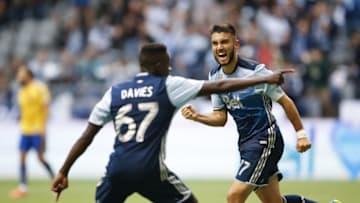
260, 141
141, 111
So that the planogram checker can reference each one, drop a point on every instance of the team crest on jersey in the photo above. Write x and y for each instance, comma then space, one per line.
232, 102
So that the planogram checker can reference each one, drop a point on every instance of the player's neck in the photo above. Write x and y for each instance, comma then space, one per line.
25, 83
230, 67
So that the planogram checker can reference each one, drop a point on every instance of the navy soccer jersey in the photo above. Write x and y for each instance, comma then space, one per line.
250, 107
141, 111
260, 141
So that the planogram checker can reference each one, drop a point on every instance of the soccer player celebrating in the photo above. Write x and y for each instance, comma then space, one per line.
260, 141
141, 111
33, 99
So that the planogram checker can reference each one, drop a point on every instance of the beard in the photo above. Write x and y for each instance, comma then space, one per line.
231, 58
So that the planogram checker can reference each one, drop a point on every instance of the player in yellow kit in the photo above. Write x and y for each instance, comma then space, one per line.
33, 100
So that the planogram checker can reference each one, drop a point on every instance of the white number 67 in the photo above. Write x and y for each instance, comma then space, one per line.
121, 119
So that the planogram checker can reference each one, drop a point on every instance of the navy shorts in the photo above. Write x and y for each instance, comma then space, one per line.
28, 142
259, 162
170, 190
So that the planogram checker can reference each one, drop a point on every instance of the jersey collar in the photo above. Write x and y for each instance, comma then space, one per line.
235, 69
141, 74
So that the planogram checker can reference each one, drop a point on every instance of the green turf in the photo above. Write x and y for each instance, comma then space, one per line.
213, 191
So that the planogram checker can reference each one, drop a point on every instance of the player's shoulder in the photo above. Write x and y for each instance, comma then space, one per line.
141, 79
215, 69
248, 63
181, 83
121, 85
40, 84
174, 80
243, 62
37, 86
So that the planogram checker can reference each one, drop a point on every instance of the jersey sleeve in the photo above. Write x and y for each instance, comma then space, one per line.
271, 90
47, 97
45, 102
44, 93
216, 101
100, 114
181, 90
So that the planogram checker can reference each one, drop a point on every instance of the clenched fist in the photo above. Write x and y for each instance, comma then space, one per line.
189, 112
303, 144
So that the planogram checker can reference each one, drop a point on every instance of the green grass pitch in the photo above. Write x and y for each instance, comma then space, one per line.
207, 191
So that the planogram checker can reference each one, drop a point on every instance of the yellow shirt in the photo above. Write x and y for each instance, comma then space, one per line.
33, 100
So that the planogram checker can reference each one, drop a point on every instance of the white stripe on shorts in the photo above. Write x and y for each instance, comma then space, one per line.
180, 186
162, 166
264, 156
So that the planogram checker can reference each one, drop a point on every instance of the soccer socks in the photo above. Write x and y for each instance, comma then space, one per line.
296, 199
23, 179
49, 170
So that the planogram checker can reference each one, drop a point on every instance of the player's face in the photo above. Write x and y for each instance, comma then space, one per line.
223, 46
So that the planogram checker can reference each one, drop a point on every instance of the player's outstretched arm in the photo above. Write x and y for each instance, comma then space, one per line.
303, 142
60, 182
228, 85
219, 117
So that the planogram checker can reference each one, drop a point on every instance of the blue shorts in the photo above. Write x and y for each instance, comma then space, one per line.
171, 190
30, 141
259, 162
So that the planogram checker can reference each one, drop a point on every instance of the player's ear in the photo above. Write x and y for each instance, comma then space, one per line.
237, 43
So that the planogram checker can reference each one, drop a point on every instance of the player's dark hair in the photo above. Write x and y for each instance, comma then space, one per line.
29, 72
151, 54
225, 27
153, 47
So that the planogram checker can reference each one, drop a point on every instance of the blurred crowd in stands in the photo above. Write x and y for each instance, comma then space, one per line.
81, 47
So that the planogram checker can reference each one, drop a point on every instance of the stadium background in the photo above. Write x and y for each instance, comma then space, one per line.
81, 47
